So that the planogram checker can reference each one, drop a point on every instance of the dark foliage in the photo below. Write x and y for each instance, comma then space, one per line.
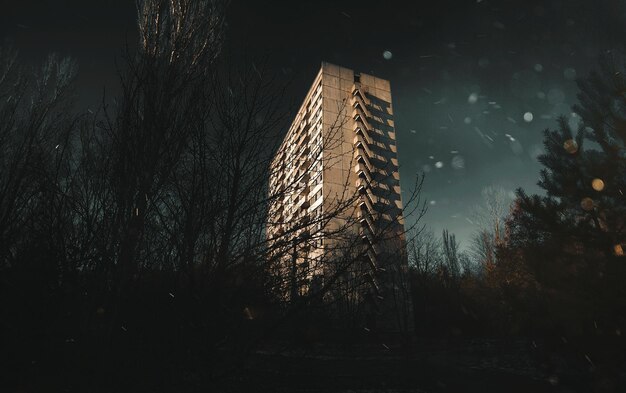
557, 270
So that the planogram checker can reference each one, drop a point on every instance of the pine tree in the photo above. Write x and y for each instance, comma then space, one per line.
570, 239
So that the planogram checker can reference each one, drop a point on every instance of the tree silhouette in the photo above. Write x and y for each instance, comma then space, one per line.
137, 234
570, 240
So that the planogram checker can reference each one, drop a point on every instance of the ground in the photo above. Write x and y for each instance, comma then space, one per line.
481, 365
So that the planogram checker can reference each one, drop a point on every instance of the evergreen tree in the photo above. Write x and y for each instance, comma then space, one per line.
570, 240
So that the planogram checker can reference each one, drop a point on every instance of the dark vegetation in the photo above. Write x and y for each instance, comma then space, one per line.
549, 266
133, 254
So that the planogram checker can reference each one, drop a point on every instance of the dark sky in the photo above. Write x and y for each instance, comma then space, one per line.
465, 73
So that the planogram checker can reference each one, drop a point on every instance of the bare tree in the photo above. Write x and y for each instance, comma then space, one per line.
449, 269
490, 216
165, 194
164, 92
424, 252
35, 129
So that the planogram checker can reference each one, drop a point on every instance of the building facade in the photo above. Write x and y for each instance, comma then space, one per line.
335, 215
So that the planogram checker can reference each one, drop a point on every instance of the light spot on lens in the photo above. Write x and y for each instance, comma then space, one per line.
570, 146
458, 162
597, 184
587, 204
528, 117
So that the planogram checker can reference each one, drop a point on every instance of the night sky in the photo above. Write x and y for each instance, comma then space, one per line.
474, 82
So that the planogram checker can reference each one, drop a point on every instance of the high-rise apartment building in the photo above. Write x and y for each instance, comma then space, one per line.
335, 200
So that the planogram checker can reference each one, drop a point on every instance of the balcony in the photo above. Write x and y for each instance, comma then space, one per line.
358, 101
302, 188
304, 164
367, 205
281, 175
359, 116
359, 129
368, 238
366, 221
304, 219
366, 194
362, 185
359, 105
361, 145
304, 203
361, 181
364, 172
364, 159
356, 92
302, 139
304, 192
371, 256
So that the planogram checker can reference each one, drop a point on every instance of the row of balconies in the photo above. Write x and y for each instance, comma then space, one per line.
297, 136
371, 252
361, 144
367, 172
365, 182
361, 115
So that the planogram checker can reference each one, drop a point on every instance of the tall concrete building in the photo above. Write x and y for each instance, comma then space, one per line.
336, 204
